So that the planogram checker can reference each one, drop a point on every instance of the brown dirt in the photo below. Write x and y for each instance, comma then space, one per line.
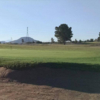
49, 84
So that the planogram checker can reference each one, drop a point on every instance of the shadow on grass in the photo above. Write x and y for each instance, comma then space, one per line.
72, 76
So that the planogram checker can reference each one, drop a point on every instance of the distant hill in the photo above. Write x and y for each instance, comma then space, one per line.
2, 42
25, 40
19, 41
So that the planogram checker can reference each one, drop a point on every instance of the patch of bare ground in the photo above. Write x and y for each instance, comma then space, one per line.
49, 84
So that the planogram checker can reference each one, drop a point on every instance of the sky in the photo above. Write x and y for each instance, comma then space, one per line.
42, 16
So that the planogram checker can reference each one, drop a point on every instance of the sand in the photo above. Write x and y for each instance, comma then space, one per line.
49, 84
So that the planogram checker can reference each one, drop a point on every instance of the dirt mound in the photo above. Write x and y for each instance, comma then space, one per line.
4, 72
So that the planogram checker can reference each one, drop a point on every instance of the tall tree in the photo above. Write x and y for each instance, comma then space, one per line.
63, 33
99, 34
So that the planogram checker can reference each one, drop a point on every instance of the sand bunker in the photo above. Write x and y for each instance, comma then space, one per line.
73, 80
77, 85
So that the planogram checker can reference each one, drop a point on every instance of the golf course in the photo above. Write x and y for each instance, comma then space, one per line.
52, 55
50, 71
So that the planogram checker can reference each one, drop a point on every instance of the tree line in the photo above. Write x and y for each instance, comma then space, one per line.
64, 33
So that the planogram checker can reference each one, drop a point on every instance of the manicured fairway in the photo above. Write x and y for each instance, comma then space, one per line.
50, 53
76, 54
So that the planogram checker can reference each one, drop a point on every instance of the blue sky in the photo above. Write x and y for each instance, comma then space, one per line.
41, 17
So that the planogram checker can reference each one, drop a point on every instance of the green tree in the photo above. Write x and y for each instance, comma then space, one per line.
39, 42
22, 40
98, 39
63, 33
99, 34
88, 40
91, 40
52, 40
80, 41
76, 41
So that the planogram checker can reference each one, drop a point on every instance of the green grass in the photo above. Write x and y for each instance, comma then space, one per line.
69, 56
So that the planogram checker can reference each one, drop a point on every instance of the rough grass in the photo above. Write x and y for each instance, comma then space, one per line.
82, 57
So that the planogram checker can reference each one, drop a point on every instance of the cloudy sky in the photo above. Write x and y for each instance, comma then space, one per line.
41, 17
